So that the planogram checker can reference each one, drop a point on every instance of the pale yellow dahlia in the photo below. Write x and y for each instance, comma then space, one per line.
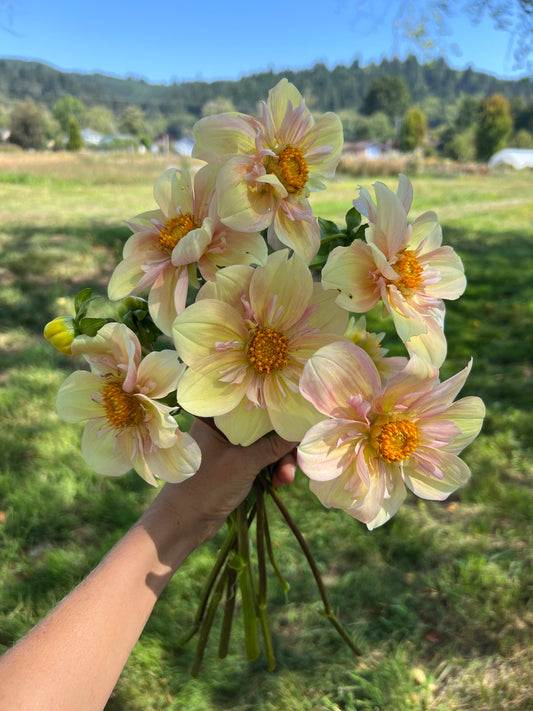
126, 427
270, 165
246, 341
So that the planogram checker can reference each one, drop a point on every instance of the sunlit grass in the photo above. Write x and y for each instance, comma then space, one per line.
439, 598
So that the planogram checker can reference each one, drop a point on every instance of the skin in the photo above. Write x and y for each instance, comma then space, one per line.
72, 659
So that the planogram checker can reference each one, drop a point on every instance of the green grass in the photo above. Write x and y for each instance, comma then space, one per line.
439, 598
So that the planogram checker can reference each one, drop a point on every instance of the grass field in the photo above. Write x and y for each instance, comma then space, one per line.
439, 599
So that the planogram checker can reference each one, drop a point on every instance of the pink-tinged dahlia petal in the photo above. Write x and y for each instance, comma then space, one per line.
158, 373
389, 233
177, 463
390, 504
443, 394
405, 192
365, 205
448, 265
114, 349
229, 286
431, 346
75, 398
224, 134
326, 317
326, 133
192, 246
302, 234
455, 473
281, 290
202, 325
426, 233
245, 424
408, 319
332, 493
202, 391
172, 189
334, 374
168, 297
467, 414
349, 271
159, 423
132, 274
291, 415
328, 448
99, 449
283, 98
243, 204
408, 387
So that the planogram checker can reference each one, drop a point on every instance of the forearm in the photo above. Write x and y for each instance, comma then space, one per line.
72, 659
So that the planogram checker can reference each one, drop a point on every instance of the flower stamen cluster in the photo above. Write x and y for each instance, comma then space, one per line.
122, 409
411, 273
175, 229
290, 167
396, 441
268, 350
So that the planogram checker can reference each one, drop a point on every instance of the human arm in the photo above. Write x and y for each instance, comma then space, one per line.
73, 658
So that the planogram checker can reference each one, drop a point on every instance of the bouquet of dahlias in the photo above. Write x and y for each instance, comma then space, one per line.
236, 303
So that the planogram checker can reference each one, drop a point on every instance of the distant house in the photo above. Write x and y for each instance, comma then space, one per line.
515, 157
90, 137
371, 150
183, 146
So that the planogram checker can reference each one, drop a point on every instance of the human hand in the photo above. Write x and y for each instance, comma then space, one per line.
204, 501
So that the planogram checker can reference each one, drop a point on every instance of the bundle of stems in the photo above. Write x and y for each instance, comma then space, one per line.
234, 571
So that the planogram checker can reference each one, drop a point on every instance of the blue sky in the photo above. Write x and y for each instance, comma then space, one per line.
179, 40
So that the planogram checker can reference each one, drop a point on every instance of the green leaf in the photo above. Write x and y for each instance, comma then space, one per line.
80, 301
328, 228
353, 220
91, 326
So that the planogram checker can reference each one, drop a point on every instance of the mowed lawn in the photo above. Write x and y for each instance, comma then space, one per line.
439, 599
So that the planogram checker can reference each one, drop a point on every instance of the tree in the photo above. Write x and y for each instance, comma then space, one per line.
494, 127
75, 141
100, 119
67, 108
388, 94
27, 126
413, 129
425, 25
133, 121
220, 105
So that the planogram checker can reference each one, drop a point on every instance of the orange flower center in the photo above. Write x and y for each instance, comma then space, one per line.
397, 440
122, 409
268, 350
290, 167
174, 229
410, 272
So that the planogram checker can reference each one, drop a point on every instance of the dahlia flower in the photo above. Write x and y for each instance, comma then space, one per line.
126, 428
378, 439
270, 165
246, 340
168, 245
401, 263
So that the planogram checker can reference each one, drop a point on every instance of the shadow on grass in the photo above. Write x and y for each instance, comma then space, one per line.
41, 265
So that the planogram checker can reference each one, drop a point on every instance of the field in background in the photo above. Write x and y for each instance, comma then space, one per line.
439, 599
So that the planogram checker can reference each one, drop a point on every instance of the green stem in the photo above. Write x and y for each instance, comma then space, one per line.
229, 608
328, 611
261, 564
246, 586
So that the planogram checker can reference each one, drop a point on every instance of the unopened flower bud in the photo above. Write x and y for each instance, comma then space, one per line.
60, 333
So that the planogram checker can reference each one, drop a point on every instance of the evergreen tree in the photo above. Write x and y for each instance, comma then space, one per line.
75, 141
413, 129
494, 127
388, 94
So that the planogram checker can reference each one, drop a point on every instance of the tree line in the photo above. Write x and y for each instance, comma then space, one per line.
406, 104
